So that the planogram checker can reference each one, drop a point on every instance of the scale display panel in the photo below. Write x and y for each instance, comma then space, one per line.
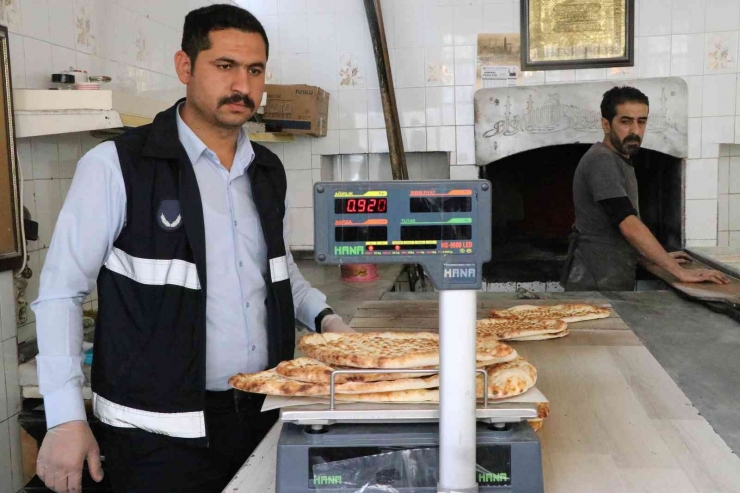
444, 225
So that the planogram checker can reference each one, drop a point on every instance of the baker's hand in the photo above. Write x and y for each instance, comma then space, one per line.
701, 275
334, 323
60, 460
681, 257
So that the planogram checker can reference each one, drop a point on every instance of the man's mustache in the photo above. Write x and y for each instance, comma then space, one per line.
237, 99
632, 138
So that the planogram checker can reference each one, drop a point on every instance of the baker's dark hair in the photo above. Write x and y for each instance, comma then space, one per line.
620, 95
201, 22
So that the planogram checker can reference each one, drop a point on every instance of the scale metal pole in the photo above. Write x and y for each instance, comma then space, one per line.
457, 374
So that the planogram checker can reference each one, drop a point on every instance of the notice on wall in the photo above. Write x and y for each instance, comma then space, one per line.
498, 60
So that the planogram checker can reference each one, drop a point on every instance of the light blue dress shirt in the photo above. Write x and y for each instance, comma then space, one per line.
91, 219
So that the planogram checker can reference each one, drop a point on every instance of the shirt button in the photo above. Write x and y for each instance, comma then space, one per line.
234, 223
240, 263
254, 347
247, 304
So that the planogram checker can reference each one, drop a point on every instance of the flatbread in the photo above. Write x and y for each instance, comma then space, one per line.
389, 350
569, 313
272, 383
419, 395
314, 371
508, 379
513, 329
543, 411
541, 337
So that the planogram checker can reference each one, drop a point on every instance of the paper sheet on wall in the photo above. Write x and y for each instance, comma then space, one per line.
498, 60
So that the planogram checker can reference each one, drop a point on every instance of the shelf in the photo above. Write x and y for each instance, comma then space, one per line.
46, 112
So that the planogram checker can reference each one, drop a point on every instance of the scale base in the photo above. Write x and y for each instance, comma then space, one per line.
401, 456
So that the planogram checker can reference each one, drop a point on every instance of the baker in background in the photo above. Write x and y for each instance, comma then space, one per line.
608, 234
182, 224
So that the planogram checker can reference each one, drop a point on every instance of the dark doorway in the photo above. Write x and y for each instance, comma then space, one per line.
533, 208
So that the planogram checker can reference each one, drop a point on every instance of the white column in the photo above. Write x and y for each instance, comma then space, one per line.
457, 314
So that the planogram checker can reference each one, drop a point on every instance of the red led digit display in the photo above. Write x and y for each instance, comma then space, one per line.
360, 206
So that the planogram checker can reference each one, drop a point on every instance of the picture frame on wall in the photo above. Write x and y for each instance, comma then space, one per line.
11, 215
577, 34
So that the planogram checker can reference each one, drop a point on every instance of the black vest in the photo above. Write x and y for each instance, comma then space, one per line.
149, 361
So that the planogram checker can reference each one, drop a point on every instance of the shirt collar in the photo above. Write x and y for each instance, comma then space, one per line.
194, 147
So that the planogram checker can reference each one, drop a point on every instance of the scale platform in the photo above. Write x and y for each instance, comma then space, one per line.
401, 457
320, 414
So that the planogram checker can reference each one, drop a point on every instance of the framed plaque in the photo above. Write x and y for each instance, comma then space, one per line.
11, 217
568, 34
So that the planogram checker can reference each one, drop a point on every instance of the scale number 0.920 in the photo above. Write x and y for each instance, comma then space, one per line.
368, 206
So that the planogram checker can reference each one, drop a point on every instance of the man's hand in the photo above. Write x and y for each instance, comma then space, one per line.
701, 275
681, 257
60, 460
334, 323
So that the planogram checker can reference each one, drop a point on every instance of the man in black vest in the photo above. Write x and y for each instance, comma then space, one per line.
182, 225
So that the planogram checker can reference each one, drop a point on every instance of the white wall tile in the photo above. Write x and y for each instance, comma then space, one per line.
709, 151
409, 24
465, 65
12, 385
719, 95
70, 152
300, 188
534, 78
350, 7
718, 130
35, 15
62, 58
17, 61
323, 34
378, 138
7, 306
297, 154
439, 66
326, 145
720, 52
441, 139
16, 453
408, 67
353, 141
737, 130
591, 74
734, 238
48, 205
501, 18
355, 167
439, 25
411, 106
352, 33
696, 86
6, 472
440, 106
464, 108
723, 238
435, 165
560, 76
737, 99
724, 150
655, 17
380, 167
375, 115
45, 152
687, 54
464, 172
723, 212
465, 145
291, 7
695, 143
721, 15
293, 33
688, 16
320, 6
734, 212
734, 175
294, 67
701, 219
64, 186
701, 179
468, 23
61, 15
352, 109
701, 243
655, 56
263, 7
723, 179
301, 220
38, 63
414, 139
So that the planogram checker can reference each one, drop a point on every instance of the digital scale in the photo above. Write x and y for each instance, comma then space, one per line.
457, 446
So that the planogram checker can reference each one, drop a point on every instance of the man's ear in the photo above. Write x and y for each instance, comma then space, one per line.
606, 126
183, 67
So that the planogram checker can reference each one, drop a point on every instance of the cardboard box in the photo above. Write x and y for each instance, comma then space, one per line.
297, 109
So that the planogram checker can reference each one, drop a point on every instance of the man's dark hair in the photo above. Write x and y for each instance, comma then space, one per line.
201, 22
620, 95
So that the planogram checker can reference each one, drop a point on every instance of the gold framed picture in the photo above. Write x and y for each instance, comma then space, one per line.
11, 216
568, 34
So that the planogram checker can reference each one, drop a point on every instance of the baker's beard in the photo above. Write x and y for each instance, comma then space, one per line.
627, 147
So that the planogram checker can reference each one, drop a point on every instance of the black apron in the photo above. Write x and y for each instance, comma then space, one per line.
599, 263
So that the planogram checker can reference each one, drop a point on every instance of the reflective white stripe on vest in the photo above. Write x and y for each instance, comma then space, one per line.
279, 269
180, 425
152, 271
